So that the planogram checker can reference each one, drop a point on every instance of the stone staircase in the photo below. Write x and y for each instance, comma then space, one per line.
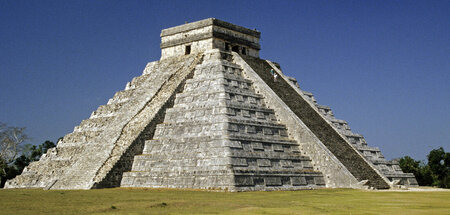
362, 169
220, 135
390, 169
85, 158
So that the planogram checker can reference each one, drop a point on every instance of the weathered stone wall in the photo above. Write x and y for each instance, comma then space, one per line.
199, 36
338, 145
220, 135
84, 157
335, 174
196, 47
390, 169
144, 118
114, 176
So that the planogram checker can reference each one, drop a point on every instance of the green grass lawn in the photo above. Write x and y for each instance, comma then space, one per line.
171, 201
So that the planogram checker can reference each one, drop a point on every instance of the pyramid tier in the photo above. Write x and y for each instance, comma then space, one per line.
220, 135
390, 169
96, 152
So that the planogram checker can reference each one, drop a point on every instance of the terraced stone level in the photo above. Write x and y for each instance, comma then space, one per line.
97, 152
390, 169
339, 146
220, 135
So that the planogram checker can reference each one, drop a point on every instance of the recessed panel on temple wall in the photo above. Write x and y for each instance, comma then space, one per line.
196, 46
186, 34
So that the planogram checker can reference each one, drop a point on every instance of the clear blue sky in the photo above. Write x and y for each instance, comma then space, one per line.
384, 66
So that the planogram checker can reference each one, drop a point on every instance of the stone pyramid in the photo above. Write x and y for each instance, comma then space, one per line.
209, 115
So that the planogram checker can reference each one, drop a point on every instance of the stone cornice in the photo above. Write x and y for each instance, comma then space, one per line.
209, 22
208, 35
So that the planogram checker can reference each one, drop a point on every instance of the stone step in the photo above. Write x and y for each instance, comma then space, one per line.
238, 83
354, 135
123, 96
94, 124
271, 155
293, 81
251, 116
249, 142
139, 81
323, 107
180, 151
161, 163
188, 127
67, 152
249, 106
378, 161
368, 148
309, 94
262, 164
268, 147
341, 125
310, 97
400, 175
219, 76
216, 83
214, 137
237, 78
81, 137
279, 172
325, 110
216, 114
204, 171
339, 121
210, 98
65, 145
231, 93
196, 116
108, 110
236, 92
249, 183
261, 138
256, 122
266, 129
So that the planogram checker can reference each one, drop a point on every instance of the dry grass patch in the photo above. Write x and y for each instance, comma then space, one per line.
173, 201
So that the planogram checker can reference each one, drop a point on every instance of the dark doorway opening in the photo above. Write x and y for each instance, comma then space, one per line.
227, 46
187, 50
235, 49
244, 51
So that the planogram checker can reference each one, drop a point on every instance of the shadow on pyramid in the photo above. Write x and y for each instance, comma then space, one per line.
210, 114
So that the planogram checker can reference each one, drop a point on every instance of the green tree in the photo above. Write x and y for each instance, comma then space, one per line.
2, 168
419, 169
32, 153
439, 163
424, 176
407, 164
29, 154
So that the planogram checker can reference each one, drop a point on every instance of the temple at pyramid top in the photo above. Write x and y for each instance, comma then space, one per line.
209, 34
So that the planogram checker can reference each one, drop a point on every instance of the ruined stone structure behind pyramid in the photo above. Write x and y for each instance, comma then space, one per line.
209, 115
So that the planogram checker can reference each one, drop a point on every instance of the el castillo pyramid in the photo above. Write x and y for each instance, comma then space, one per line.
209, 115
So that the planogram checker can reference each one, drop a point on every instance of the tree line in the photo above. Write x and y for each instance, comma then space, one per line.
436, 172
